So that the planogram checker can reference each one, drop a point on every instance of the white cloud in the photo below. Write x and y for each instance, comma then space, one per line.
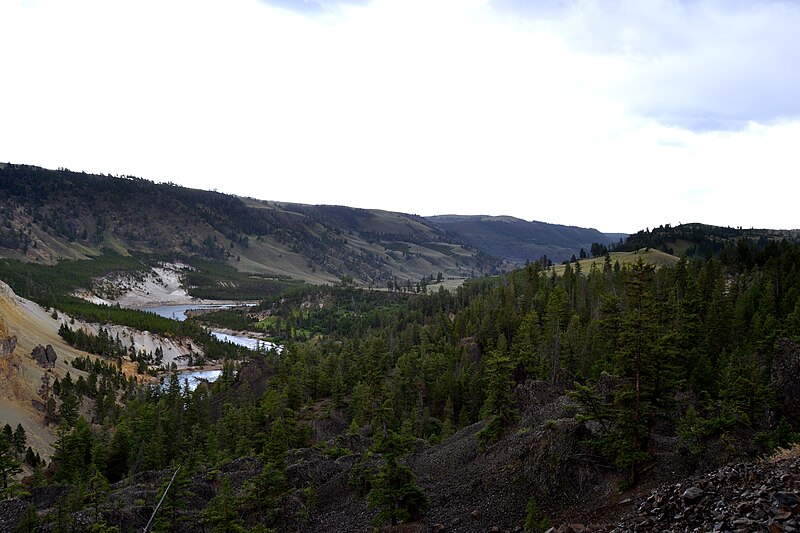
419, 106
703, 64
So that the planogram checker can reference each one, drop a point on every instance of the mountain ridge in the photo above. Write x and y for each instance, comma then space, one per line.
519, 240
52, 214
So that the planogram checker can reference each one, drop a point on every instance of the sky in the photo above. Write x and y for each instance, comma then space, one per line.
614, 114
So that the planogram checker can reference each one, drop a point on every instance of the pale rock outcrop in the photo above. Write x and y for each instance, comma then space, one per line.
7, 345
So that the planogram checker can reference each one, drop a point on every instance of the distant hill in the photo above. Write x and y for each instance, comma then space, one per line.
46, 215
518, 240
703, 240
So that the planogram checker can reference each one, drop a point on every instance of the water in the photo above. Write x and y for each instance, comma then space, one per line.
194, 377
247, 342
178, 312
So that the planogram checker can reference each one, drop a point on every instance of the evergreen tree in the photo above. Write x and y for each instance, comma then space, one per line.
68, 410
635, 362
9, 466
394, 491
448, 421
276, 446
222, 514
261, 493
20, 439
499, 408
29, 521
96, 492
169, 517
556, 318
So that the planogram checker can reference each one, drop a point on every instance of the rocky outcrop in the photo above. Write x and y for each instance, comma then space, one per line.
7, 345
757, 496
45, 357
12, 385
7, 341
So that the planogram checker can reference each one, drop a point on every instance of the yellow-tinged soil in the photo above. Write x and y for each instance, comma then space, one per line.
20, 376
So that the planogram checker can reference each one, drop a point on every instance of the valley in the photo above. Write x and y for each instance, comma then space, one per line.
363, 369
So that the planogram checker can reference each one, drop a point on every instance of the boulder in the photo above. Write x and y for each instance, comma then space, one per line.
692, 495
45, 357
787, 499
51, 355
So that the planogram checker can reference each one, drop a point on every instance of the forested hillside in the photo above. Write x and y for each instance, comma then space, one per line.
703, 240
510, 389
46, 215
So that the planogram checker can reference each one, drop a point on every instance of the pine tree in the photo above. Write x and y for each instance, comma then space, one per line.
221, 512
635, 362
96, 494
68, 410
9, 466
29, 521
276, 446
20, 439
262, 491
169, 517
394, 491
556, 318
499, 408
448, 421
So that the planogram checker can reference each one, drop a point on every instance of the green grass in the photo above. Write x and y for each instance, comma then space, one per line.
652, 255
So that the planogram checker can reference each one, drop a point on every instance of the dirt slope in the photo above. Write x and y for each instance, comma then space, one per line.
21, 376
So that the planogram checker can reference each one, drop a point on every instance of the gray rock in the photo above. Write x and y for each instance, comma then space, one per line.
7, 346
787, 499
45, 357
51, 355
692, 495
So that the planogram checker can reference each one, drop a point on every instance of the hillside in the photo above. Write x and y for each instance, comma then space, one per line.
656, 257
523, 398
519, 240
46, 215
704, 240
30, 326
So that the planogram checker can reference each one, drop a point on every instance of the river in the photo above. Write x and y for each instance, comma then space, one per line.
194, 377
178, 312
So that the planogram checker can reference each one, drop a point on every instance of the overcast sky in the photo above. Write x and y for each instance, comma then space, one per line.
616, 114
